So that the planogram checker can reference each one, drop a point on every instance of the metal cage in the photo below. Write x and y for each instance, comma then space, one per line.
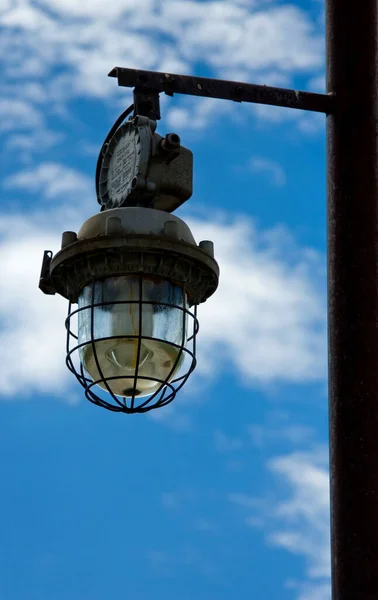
167, 388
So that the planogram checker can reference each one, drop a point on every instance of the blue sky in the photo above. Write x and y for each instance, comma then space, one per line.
224, 493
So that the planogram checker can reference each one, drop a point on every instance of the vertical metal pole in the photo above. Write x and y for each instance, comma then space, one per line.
352, 75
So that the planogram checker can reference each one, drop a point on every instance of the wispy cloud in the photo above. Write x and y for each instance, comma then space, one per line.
185, 556
311, 590
17, 114
176, 419
189, 505
32, 325
226, 444
298, 521
86, 39
195, 114
304, 514
270, 168
279, 427
37, 142
267, 319
51, 180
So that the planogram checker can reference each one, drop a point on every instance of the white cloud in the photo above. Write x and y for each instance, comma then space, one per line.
16, 114
32, 336
312, 590
280, 37
195, 114
25, 16
267, 319
272, 77
271, 168
304, 515
5, 5
51, 180
84, 40
96, 9
32, 332
298, 520
36, 142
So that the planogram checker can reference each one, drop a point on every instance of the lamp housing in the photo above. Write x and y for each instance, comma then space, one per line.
139, 167
137, 276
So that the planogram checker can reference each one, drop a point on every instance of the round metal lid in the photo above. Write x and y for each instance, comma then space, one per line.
125, 158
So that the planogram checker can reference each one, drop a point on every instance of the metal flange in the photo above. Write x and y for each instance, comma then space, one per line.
131, 241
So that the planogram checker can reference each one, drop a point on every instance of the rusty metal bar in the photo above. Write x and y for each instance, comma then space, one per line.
352, 76
218, 88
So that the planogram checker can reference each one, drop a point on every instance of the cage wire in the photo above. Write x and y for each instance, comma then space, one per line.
104, 396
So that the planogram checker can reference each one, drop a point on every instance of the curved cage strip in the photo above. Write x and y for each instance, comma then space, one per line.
100, 387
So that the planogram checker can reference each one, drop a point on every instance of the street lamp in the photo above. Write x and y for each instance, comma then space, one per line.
136, 274
155, 271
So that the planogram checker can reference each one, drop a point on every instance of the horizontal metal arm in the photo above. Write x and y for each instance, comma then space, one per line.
226, 90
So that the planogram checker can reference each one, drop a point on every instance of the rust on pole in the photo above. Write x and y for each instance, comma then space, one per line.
353, 296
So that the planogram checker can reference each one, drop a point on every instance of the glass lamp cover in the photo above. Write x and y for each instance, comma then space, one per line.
119, 315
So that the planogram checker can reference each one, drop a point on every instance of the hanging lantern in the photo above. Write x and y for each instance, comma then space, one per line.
136, 275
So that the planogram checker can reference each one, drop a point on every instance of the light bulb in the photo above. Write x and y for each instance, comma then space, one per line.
119, 356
